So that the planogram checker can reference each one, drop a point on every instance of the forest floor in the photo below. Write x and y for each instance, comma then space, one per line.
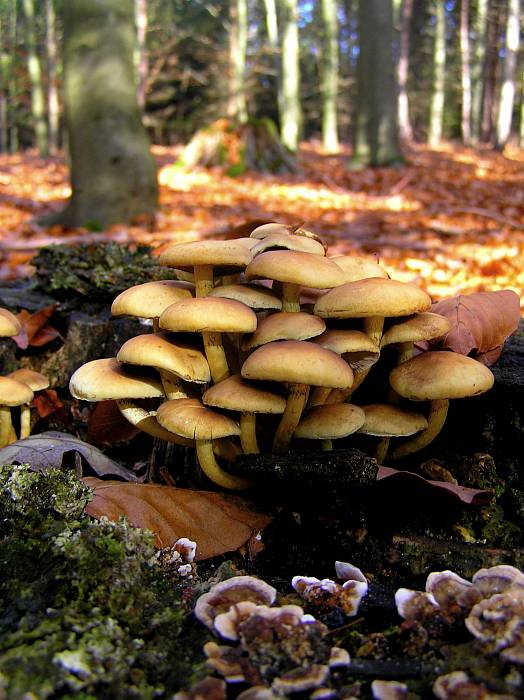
452, 218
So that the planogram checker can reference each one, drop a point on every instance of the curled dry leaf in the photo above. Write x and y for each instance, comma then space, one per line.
36, 330
47, 403
107, 425
217, 522
480, 323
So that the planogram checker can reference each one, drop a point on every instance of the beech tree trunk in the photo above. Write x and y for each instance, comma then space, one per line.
376, 134
113, 174
465, 72
436, 116
53, 106
290, 110
507, 90
490, 71
404, 123
35, 76
481, 22
330, 76
141, 56
237, 102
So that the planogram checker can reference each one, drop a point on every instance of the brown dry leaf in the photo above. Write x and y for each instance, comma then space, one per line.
461, 493
480, 322
47, 403
108, 425
217, 522
36, 330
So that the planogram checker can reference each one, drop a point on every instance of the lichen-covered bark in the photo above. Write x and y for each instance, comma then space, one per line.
113, 174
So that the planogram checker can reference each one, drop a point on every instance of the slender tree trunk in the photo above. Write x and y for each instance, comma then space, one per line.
12, 106
291, 114
237, 104
330, 76
35, 75
113, 175
465, 72
376, 136
507, 92
141, 55
478, 63
436, 116
53, 106
404, 123
5, 60
521, 133
271, 24
490, 71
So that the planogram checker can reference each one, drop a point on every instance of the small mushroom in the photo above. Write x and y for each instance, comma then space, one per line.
387, 421
330, 422
36, 382
148, 300
12, 393
284, 325
422, 326
9, 324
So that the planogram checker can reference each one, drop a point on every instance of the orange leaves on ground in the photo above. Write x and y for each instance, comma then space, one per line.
36, 330
480, 323
217, 522
107, 425
47, 402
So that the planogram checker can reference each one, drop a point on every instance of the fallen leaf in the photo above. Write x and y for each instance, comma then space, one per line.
459, 493
217, 522
36, 330
55, 449
480, 323
107, 425
47, 402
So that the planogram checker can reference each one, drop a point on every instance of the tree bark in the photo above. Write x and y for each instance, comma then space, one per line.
404, 123
53, 106
507, 91
330, 77
141, 55
35, 75
113, 174
12, 82
439, 76
465, 72
478, 63
237, 103
490, 70
521, 132
376, 135
290, 114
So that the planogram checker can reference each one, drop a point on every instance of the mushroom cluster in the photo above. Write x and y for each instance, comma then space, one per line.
261, 342
17, 388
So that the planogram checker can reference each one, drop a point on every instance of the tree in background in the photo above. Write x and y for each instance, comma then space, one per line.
237, 100
330, 68
507, 90
480, 25
290, 110
465, 72
113, 175
491, 60
376, 130
436, 115
141, 58
406, 132
53, 104
35, 74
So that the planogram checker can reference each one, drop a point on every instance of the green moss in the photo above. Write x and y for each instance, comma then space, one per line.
96, 271
86, 609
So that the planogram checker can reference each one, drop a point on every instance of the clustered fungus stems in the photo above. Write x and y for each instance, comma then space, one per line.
6, 427
211, 468
248, 433
438, 412
146, 421
373, 327
290, 297
204, 280
296, 402
216, 355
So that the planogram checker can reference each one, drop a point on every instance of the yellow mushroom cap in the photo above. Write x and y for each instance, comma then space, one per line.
209, 314
295, 267
191, 419
285, 325
215, 253
440, 375
330, 421
372, 297
255, 296
14, 393
233, 394
148, 300
298, 362
9, 324
105, 379
358, 267
160, 351
422, 326
286, 241
34, 380
386, 420
356, 347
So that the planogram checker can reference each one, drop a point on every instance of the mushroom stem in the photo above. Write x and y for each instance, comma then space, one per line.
296, 401
172, 385
5, 426
216, 356
373, 327
210, 467
319, 396
327, 445
146, 422
405, 351
156, 324
341, 395
204, 281
25, 421
248, 435
290, 297
381, 449
436, 418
